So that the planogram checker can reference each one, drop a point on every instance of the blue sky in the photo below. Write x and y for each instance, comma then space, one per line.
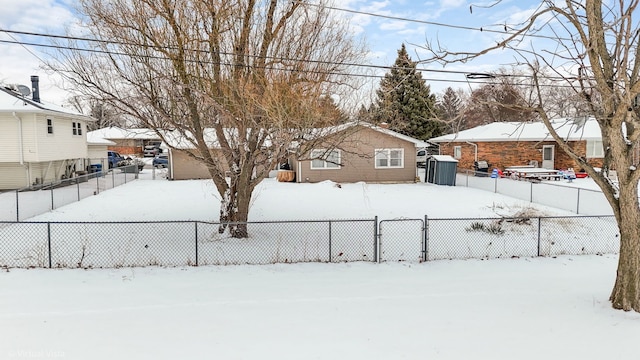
384, 36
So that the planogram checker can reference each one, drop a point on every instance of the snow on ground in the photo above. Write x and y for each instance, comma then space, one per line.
151, 200
526, 308
540, 308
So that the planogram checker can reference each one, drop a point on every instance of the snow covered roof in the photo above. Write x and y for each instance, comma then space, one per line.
116, 133
94, 138
443, 158
176, 140
11, 101
334, 129
567, 128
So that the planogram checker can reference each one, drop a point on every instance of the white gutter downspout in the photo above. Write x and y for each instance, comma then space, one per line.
20, 140
476, 150
21, 144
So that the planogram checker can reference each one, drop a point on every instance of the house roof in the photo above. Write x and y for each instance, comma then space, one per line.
11, 101
334, 129
443, 158
94, 138
117, 133
568, 128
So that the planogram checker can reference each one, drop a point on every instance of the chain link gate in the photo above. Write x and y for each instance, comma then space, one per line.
402, 240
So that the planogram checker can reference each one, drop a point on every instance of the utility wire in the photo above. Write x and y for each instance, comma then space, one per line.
451, 26
112, 42
106, 52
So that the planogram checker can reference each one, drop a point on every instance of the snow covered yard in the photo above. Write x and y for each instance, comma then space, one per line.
76, 244
533, 308
525, 308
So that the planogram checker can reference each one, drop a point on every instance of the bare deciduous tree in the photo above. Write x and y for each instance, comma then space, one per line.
591, 47
239, 81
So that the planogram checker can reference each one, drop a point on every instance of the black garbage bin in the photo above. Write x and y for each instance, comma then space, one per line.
481, 168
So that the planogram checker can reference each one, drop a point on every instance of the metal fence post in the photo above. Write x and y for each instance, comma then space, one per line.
426, 238
539, 233
78, 186
531, 192
49, 241
98, 183
375, 240
196, 225
495, 186
330, 241
113, 178
52, 205
17, 207
578, 203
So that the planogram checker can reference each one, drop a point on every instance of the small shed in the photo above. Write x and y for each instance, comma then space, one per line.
441, 170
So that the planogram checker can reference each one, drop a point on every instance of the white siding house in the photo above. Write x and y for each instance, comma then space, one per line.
39, 142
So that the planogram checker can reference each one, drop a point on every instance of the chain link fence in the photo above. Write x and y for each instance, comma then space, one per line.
128, 244
189, 243
21, 204
574, 199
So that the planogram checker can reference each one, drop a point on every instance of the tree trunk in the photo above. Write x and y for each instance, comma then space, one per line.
626, 291
234, 208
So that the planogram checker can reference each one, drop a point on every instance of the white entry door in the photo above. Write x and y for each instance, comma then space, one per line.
548, 156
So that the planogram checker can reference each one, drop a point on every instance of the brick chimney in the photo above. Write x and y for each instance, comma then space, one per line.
35, 88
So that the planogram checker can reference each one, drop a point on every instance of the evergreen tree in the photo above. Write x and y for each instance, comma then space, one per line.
405, 101
449, 109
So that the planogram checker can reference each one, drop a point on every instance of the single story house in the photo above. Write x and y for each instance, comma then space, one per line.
39, 142
359, 151
506, 144
127, 141
182, 165
351, 152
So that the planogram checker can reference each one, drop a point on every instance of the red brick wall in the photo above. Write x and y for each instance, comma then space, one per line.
126, 150
502, 154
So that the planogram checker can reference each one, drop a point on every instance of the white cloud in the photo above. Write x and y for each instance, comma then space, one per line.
19, 63
451, 4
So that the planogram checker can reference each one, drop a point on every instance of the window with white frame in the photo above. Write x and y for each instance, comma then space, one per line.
75, 128
457, 152
325, 159
595, 149
389, 158
49, 126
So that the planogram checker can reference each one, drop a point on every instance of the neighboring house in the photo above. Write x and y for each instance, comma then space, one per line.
347, 153
360, 151
127, 141
505, 144
97, 149
39, 142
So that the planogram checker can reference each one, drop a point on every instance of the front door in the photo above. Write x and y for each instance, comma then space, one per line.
548, 156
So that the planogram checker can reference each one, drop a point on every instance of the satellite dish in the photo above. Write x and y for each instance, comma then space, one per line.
24, 90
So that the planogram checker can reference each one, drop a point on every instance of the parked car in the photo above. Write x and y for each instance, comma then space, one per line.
161, 161
151, 150
128, 162
421, 158
113, 158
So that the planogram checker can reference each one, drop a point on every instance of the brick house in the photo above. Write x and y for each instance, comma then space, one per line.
505, 144
127, 141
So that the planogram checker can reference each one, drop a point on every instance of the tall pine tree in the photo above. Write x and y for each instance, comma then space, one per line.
449, 109
405, 101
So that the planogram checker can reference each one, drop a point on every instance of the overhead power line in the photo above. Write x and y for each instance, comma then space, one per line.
113, 42
505, 30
